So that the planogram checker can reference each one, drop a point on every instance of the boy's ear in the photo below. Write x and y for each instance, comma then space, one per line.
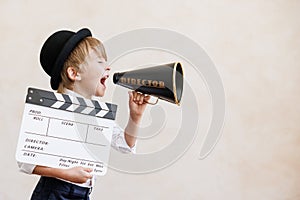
73, 74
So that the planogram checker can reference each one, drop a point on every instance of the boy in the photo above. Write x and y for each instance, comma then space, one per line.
76, 64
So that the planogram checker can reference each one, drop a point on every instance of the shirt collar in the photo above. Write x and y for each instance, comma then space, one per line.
72, 93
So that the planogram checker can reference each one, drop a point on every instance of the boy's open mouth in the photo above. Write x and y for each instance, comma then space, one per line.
103, 79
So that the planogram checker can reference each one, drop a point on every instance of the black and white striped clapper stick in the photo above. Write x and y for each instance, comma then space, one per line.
71, 103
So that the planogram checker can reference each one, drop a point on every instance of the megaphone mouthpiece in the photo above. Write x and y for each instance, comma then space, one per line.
116, 77
163, 81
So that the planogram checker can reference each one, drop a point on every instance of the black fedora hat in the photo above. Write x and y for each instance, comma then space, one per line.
56, 50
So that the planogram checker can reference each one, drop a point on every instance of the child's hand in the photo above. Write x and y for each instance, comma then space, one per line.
137, 105
78, 174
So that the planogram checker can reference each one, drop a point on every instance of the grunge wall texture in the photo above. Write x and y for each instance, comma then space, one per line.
255, 46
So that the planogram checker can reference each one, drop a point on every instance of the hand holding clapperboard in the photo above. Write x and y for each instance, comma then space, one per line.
63, 131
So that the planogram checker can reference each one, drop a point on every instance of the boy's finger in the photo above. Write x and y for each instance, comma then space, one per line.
134, 95
89, 176
141, 99
147, 97
138, 97
130, 95
88, 169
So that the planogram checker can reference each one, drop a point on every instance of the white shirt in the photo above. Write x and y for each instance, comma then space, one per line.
118, 142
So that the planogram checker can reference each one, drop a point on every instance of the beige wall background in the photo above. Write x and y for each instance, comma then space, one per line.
255, 46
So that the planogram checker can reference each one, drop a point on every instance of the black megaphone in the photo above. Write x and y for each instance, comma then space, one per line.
163, 81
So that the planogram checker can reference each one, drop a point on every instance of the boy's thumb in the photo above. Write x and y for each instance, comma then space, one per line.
130, 95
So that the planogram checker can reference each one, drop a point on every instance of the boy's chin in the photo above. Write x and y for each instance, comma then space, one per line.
100, 94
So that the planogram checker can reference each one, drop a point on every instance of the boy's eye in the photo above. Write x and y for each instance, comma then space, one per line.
102, 62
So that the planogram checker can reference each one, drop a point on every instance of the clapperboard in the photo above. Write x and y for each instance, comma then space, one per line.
64, 131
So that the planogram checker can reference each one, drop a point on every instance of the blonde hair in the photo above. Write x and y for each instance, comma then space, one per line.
77, 57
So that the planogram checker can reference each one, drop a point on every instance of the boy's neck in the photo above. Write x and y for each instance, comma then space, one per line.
72, 92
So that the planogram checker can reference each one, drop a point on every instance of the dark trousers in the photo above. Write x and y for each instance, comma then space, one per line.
55, 189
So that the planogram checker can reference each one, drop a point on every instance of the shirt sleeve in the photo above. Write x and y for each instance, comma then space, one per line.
118, 141
26, 168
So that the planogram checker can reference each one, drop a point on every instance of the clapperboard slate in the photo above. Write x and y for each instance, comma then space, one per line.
64, 131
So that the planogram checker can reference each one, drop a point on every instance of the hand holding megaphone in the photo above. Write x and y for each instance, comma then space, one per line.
164, 81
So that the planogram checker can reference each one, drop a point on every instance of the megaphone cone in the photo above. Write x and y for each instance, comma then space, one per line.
163, 81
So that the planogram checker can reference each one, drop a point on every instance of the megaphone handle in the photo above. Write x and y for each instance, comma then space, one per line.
153, 103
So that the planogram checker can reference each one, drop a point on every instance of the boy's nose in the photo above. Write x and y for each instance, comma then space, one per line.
107, 68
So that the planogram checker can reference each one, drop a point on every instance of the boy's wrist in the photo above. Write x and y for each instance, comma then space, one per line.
135, 118
132, 126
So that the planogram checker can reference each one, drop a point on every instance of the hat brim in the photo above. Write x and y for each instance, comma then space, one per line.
65, 52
